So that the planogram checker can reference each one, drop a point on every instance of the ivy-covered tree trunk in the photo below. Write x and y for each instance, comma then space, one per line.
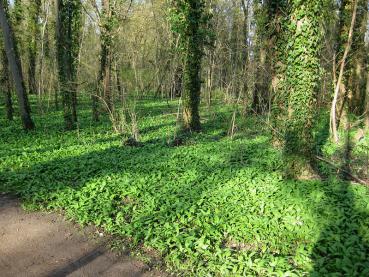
245, 45
17, 18
279, 37
264, 13
68, 26
302, 81
191, 75
188, 20
34, 8
5, 86
15, 67
106, 53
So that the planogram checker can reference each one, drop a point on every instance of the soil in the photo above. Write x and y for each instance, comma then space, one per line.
41, 244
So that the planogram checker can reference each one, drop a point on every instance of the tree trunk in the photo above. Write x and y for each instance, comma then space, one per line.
245, 45
34, 8
262, 92
6, 87
192, 87
192, 69
177, 82
358, 61
367, 103
106, 55
302, 84
95, 105
68, 27
262, 84
56, 97
118, 81
341, 76
15, 68
32, 88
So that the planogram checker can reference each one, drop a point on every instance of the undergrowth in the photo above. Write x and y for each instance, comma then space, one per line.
212, 206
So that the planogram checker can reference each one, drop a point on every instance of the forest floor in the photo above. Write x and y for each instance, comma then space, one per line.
216, 205
45, 244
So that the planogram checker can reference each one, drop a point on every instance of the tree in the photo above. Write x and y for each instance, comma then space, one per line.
15, 67
189, 19
341, 76
5, 85
367, 87
366, 119
264, 46
68, 26
359, 61
34, 8
302, 80
106, 27
352, 86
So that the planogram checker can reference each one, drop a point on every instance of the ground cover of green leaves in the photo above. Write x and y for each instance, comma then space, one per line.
211, 207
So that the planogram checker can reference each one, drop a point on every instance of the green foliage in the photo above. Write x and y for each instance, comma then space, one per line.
301, 41
210, 207
303, 64
184, 15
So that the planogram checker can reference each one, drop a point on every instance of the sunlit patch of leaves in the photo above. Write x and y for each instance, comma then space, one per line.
213, 206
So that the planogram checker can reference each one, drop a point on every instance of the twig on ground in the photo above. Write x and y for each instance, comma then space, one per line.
353, 177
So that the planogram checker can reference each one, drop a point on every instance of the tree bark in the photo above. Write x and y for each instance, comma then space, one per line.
245, 44
367, 103
192, 88
106, 55
192, 69
358, 61
32, 74
15, 68
34, 8
68, 24
302, 84
6, 87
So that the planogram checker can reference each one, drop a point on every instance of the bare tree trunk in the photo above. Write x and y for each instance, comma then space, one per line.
31, 74
118, 81
56, 96
107, 81
95, 110
16, 69
95, 102
340, 76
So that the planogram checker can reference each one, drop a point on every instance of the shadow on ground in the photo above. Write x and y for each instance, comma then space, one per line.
343, 246
144, 192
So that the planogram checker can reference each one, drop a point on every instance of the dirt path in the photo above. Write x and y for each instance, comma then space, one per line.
39, 244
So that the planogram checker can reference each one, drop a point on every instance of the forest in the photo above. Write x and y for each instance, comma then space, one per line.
204, 137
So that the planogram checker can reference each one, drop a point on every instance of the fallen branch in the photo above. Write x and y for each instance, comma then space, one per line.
353, 177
